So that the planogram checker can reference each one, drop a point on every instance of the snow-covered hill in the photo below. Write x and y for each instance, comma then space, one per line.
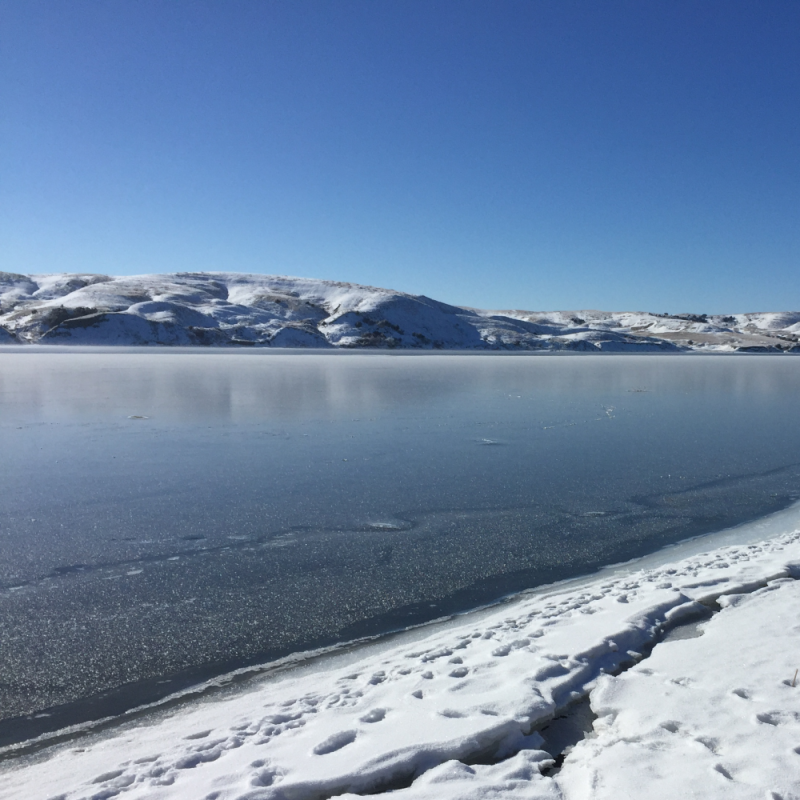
266, 310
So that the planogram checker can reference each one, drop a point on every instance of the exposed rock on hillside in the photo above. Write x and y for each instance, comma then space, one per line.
231, 309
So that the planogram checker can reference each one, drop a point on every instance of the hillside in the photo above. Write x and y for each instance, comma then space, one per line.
231, 309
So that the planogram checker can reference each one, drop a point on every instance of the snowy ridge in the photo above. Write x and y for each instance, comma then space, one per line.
230, 309
461, 712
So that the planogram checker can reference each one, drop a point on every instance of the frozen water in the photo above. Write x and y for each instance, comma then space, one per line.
167, 517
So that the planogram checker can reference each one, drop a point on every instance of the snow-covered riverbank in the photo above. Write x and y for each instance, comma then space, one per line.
461, 709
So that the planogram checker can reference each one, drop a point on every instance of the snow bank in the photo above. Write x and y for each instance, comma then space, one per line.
717, 715
275, 311
453, 711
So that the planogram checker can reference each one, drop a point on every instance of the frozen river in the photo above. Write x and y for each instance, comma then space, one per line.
166, 516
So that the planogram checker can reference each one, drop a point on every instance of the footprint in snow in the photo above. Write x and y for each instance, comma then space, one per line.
264, 777
722, 771
709, 743
376, 715
335, 742
108, 776
198, 735
671, 725
777, 717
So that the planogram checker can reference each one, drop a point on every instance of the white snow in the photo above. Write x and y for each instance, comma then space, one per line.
205, 308
452, 710
711, 716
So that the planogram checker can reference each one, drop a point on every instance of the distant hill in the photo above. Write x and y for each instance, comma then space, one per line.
230, 309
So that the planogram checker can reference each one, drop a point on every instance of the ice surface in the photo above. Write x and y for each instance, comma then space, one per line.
228, 508
453, 711
205, 308
445, 711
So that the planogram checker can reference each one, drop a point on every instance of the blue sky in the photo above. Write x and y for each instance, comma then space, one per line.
502, 154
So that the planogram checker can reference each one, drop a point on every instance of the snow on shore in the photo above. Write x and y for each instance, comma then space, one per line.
231, 309
461, 710
712, 716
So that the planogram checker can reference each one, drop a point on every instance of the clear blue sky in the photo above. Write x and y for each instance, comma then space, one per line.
531, 154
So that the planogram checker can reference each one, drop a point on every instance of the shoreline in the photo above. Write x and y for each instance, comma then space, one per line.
132, 349
304, 667
631, 523
478, 691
